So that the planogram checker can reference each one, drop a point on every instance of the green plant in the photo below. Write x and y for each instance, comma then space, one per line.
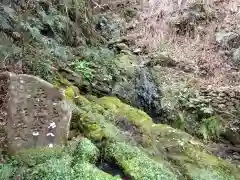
179, 123
104, 58
6, 171
195, 103
41, 68
83, 67
198, 115
210, 127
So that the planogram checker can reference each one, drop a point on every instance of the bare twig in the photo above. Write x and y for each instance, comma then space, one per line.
99, 5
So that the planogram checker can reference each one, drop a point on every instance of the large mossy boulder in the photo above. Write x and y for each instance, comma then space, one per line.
169, 153
138, 165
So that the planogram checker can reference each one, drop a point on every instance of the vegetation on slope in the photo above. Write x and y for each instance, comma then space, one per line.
58, 46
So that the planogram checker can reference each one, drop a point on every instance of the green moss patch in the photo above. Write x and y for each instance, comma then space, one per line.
94, 121
134, 115
86, 151
197, 173
57, 169
187, 152
89, 171
137, 164
6, 171
34, 156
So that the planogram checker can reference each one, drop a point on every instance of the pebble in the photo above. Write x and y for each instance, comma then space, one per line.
122, 46
16, 36
50, 145
229, 103
231, 94
137, 50
221, 106
221, 94
237, 157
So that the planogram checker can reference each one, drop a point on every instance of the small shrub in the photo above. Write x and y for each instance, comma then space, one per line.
102, 57
41, 68
195, 103
84, 68
6, 171
199, 115
210, 128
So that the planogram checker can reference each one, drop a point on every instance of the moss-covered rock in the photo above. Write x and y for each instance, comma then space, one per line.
93, 121
71, 92
133, 115
183, 151
137, 164
53, 168
86, 151
35, 156
171, 153
190, 155
89, 171
207, 173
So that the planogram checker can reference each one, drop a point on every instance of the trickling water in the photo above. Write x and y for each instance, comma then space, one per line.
147, 93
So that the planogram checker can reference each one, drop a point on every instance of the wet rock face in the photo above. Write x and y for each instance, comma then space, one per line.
130, 82
137, 87
140, 91
37, 115
148, 95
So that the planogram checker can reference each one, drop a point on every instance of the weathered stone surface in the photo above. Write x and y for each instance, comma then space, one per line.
37, 114
195, 14
162, 59
226, 103
236, 56
228, 39
122, 46
224, 97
